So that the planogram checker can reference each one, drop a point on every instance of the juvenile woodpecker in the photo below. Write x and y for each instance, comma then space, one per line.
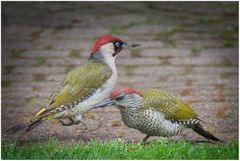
83, 86
154, 112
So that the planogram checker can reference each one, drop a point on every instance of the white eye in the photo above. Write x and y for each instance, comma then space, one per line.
117, 44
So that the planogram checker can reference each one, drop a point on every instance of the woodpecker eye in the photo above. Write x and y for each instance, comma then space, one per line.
117, 47
117, 44
120, 98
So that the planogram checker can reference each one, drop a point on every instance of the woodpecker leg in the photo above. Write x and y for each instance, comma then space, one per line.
145, 139
85, 126
91, 128
78, 119
68, 124
74, 122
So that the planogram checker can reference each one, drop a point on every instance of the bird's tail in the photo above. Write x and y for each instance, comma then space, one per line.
29, 125
16, 128
200, 130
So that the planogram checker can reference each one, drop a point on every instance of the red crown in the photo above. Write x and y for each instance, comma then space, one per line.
126, 90
102, 41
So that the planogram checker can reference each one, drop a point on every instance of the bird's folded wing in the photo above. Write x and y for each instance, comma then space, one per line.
171, 107
79, 83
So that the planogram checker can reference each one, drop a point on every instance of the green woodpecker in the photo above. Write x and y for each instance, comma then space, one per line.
154, 112
83, 86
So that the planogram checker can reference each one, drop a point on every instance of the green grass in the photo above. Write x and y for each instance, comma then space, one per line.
208, 20
116, 31
195, 51
40, 61
135, 53
7, 70
117, 149
166, 35
6, 83
39, 77
151, 21
75, 53
48, 47
229, 36
35, 35
15, 53
129, 70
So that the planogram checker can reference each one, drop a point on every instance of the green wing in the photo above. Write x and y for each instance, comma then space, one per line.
78, 84
172, 107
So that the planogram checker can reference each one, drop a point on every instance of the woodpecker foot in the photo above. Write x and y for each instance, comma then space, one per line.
91, 128
85, 127
145, 139
66, 124
143, 142
72, 122
69, 123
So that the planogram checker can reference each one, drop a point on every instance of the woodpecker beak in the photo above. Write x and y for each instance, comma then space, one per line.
132, 45
105, 103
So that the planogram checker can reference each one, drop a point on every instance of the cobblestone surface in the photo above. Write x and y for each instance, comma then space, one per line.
188, 49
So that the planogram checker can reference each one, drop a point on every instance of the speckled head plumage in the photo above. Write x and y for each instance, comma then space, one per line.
127, 97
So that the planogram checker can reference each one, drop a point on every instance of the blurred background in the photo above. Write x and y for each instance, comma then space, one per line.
189, 49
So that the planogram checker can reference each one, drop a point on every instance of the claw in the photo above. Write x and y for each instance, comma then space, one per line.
68, 124
85, 128
92, 128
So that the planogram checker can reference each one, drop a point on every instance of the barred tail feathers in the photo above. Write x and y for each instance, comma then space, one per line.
16, 128
29, 125
34, 124
200, 130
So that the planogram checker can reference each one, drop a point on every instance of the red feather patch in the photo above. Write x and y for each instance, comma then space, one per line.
102, 41
126, 90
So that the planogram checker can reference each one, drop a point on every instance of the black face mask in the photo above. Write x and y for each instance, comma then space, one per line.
118, 46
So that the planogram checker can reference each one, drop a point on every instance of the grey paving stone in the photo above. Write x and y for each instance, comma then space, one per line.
215, 70
148, 29
39, 70
75, 33
44, 53
159, 70
166, 52
64, 62
138, 61
202, 61
20, 62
